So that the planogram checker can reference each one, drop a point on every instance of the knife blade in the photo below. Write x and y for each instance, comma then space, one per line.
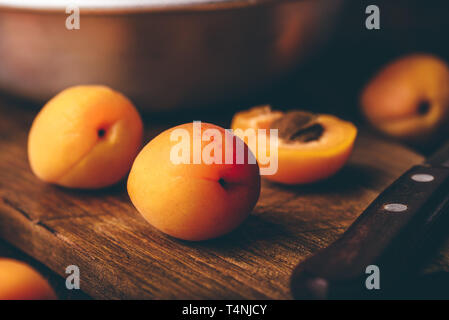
395, 233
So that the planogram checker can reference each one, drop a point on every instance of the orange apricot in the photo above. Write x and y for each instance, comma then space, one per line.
85, 137
182, 183
310, 147
409, 98
19, 281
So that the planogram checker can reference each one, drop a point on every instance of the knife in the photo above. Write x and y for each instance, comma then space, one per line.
389, 240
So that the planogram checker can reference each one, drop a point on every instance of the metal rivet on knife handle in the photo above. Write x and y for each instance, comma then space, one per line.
395, 207
423, 177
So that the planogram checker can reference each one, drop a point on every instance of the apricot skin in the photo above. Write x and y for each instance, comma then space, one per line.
85, 137
409, 98
191, 201
18, 281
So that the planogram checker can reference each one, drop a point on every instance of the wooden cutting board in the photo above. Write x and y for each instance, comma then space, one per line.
122, 256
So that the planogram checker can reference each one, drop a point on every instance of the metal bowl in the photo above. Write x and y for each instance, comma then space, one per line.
164, 54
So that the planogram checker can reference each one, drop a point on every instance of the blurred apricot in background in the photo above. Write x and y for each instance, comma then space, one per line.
19, 281
409, 98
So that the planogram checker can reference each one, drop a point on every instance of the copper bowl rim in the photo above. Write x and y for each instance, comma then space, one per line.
128, 6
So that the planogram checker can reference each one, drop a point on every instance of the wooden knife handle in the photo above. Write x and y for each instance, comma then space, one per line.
388, 234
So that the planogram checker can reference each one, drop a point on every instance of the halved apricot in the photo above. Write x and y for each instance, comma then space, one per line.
311, 147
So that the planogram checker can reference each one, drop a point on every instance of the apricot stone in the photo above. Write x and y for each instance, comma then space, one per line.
85, 137
19, 281
188, 200
409, 98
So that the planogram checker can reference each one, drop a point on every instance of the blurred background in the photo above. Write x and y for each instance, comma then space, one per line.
333, 78
311, 54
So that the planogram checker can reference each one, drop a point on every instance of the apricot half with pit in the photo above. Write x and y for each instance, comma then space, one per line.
85, 137
19, 281
187, 183
409, 98
311, 147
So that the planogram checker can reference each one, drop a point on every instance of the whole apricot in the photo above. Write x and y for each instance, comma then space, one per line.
311, 147
19, 281
188, 184
85, 137
409, 98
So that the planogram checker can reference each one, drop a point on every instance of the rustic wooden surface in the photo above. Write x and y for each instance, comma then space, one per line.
122, 256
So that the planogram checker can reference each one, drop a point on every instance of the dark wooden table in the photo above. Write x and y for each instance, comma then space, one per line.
122, 256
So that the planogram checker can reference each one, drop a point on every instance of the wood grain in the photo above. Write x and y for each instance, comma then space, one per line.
122, 256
